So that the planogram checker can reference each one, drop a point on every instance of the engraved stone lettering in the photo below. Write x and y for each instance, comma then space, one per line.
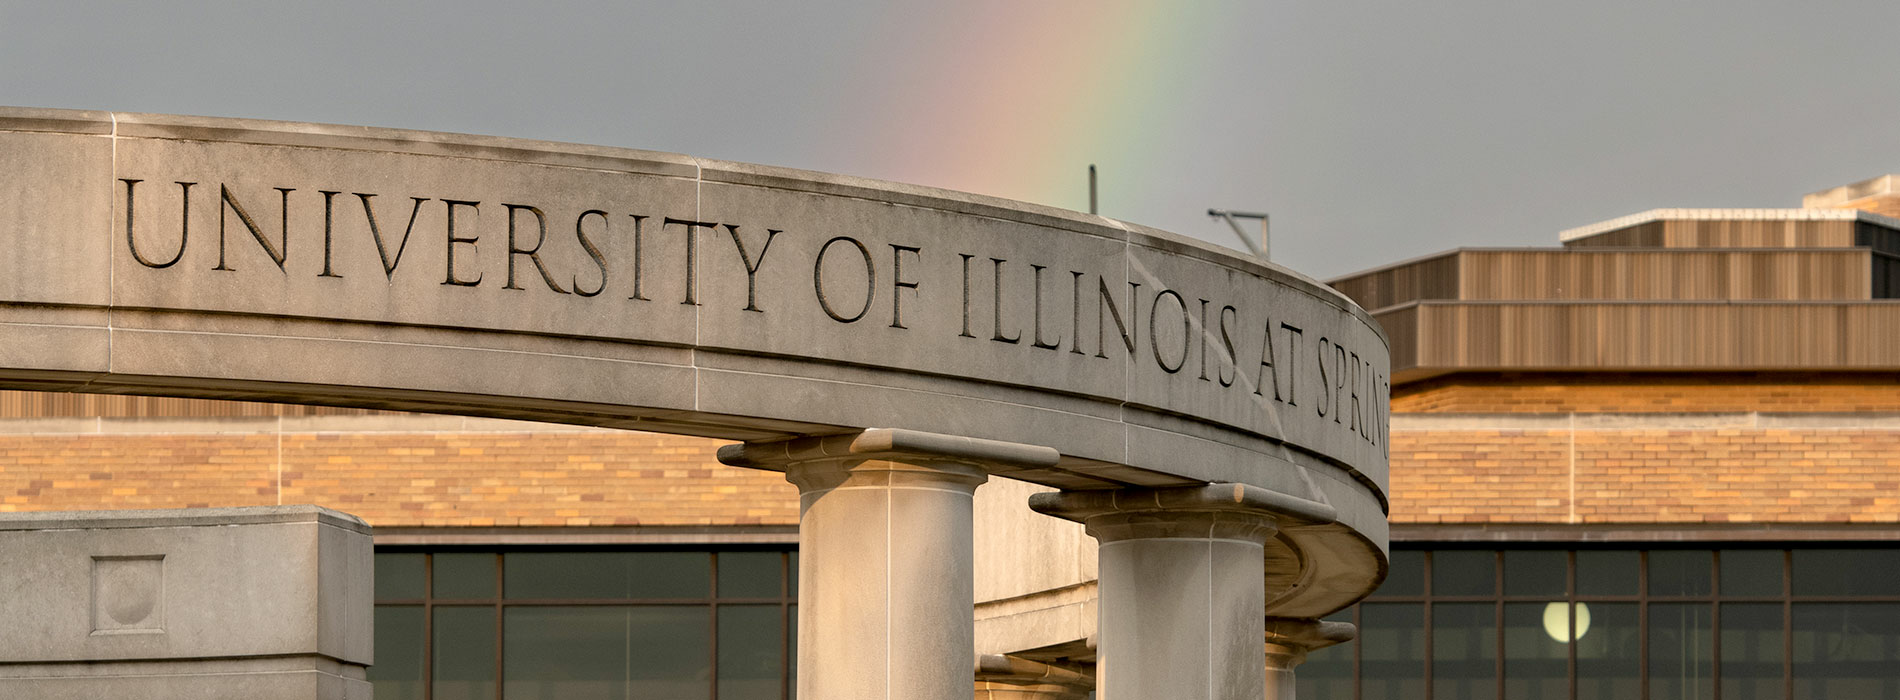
1339, 381
449, 258
1353, 394
593, 252
1036, 339
1267, 365
376, 232
1293, 364
818, 281
184, 224
1230, 362
278, 251
329, 221
1325, 402
898, 282
751, 264
1075, 312
692, 255
1104, 301
638, 262
1154, 338
1205, 337
534, 254
997, 320
1385, 416
966, 296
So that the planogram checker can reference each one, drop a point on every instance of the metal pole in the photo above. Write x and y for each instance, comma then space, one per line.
1259, 249
1092, 189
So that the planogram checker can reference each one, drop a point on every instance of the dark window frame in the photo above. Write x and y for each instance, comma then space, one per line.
1642, 599
786, 601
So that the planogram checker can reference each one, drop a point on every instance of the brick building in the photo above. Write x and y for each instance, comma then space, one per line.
1678, 432
1677, 435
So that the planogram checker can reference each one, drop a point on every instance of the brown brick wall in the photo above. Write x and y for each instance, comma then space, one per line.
1453, 474
574, 478
38, 404
1663, 393
1704, 475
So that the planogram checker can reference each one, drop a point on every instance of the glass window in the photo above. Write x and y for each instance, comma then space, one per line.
572, 653
1677, 573
1405, 576
1464, 572
1327, 672
1846, 650
791, 643
1609, 661
584, 624
608, 575
1681, 651
1464, 650
1751, 573
1842, 572
670, 575
669, 652
607, 652
1666, 624
1536, 648
751, 574
1391, 651
464, 575
399, 576
1751, 649
398, 670
791, 576
1536, 572
1607, 572
464, 653
751, 649
597, 575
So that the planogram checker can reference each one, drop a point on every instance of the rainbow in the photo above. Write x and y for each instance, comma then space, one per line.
1016, 99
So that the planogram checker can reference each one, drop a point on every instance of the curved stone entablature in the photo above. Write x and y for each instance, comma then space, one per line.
462, 274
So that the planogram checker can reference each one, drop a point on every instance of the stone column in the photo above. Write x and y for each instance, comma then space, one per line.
886, 607
1288, 642
1183, 586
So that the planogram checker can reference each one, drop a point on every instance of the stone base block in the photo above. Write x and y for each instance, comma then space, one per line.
265, 603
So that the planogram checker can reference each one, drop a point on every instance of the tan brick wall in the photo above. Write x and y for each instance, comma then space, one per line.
571, 478
1629, 472
1634, 475
1479, 476
1624, 393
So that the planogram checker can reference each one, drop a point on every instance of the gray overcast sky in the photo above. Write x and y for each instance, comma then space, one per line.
1371, 131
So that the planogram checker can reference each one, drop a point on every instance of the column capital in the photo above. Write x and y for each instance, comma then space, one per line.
1002, 677
1308, 635
888, 444
882, 457
1288, 642
1217, 511
1012, 690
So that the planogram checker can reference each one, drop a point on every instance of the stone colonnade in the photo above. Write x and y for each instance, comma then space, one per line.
886, 609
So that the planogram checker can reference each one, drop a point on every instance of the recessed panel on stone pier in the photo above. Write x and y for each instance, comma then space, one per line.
128, 594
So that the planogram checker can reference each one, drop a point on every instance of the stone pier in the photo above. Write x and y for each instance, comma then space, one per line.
260, 602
